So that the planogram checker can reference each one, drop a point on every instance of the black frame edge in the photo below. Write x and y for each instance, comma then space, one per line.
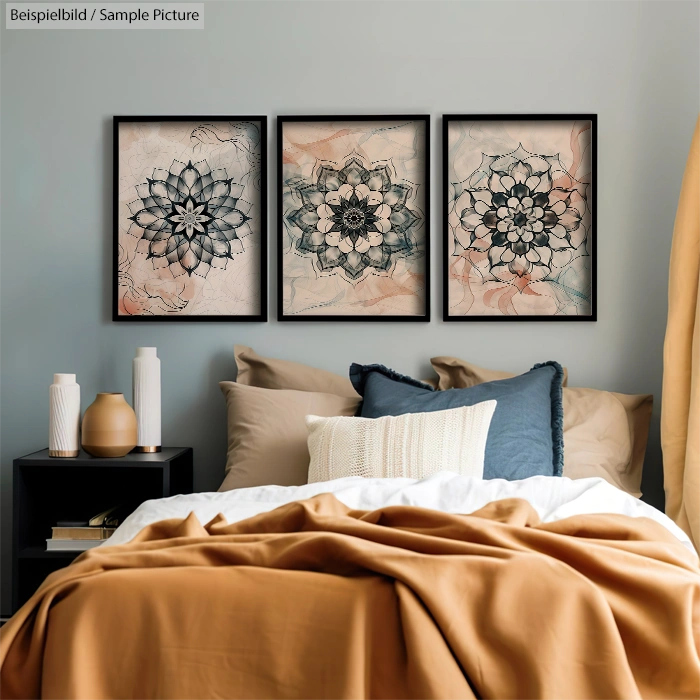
313, 318
593, 317
262, 317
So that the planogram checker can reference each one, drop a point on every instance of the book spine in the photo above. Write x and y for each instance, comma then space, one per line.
87, 533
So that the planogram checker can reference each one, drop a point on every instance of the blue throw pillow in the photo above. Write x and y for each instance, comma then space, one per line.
526, 437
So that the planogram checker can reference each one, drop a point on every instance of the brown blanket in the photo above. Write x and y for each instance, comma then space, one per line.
313, 600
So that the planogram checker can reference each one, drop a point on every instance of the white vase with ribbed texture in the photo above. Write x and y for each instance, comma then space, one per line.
64, 416
146, 386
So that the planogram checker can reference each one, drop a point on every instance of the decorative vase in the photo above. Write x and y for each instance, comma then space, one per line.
109, 427
146, 388
64, 416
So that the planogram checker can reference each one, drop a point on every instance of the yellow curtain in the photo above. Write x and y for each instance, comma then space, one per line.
680, 405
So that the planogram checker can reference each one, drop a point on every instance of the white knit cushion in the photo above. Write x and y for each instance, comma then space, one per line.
412, 445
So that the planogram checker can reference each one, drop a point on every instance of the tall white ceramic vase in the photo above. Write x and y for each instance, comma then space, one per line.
146, 387
64, 416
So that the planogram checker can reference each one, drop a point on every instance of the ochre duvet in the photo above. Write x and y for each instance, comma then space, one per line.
313, 600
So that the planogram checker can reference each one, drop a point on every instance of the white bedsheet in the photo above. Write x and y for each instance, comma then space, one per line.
553, 498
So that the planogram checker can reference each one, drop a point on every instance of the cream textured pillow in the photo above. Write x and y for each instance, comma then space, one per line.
412, 445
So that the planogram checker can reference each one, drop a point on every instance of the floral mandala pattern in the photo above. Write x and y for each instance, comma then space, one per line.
189, 215
524, 210
354, 219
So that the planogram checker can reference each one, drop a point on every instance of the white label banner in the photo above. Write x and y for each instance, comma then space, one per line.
108, 15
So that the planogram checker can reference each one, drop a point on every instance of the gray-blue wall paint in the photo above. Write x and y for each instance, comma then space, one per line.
634, 63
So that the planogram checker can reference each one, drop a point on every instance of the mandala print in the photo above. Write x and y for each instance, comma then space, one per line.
524, 210
355, 220
189, 215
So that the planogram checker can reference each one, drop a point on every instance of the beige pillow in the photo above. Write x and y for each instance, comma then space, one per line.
267, 433
605, 433
413, 445
458, 374
269, 373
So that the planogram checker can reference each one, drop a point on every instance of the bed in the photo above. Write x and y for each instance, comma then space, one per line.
452, 585
372, 588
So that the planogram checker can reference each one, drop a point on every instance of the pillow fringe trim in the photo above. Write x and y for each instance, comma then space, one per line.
556, 395
358, 376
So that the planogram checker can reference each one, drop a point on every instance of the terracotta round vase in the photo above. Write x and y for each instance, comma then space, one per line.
109, 427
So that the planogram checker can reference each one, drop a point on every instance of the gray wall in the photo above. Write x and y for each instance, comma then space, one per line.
635, 64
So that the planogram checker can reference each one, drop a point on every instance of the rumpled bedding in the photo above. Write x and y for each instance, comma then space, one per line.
552, 497
316, 600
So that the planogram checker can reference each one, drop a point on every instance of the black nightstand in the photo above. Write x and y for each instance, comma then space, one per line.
48, 489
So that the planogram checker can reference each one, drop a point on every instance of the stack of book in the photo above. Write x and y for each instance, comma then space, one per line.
77, 535
77, 539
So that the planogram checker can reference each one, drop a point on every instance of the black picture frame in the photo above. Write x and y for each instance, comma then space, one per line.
260, 317
447, 119
286, 119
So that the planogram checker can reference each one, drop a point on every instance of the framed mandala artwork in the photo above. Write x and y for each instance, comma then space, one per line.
353, 218
190, 218
520, 220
